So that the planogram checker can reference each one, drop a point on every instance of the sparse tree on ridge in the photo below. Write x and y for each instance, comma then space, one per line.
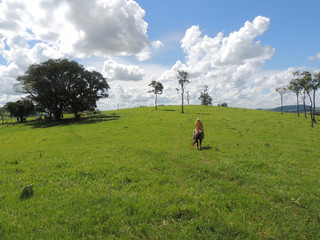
183, 81
223, 105
315, 86
21, 108
281, 91
295, 87
205, 97
157, 88
310, 83
306, 84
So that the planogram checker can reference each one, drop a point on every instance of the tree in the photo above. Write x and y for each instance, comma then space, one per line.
62, 85
157, 88
21, 108
183, 81
295, 87
223, 105
188, 97
205, 97
306, 84
315, 85
281, 91
85, 90
2, 112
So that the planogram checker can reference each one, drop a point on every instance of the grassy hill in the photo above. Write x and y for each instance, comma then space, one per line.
132, 174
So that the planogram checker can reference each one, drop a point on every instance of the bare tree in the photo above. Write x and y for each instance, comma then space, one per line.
281, 91
183, 81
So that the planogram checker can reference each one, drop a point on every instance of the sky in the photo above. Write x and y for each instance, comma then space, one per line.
242, 50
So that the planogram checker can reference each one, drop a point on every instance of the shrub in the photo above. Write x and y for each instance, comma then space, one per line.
26, 192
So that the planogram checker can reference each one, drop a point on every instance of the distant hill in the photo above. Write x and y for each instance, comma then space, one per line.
291, 109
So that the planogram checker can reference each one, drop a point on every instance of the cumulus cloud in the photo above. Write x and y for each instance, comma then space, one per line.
34, 31
227, 64
116, 71
79, 28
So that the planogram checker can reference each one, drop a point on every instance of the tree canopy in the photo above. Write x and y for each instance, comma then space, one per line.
183, 81
21, 108
156, 88
59, 85
205, 97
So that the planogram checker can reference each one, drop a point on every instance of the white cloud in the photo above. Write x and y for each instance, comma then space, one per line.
34, 31
143, 55
229, 64
157, 44
312, 58
79, 28
116, 71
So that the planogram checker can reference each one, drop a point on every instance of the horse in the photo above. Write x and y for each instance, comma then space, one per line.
198, 139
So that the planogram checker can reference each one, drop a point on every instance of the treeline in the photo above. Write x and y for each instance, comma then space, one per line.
55, 87
304, 85
61, 86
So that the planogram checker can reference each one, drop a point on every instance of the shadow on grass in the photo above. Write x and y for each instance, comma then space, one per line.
83, 120
206, 148
168, 110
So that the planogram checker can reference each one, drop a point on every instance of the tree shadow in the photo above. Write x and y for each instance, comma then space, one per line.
68, 121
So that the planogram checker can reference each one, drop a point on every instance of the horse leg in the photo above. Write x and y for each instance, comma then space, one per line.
200, 143
195, 140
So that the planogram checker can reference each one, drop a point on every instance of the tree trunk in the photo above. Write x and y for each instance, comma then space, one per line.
76, 116
311, 115
304, 107
298, 107
182, 99
281, 104
311, 112
314, 105
155, 102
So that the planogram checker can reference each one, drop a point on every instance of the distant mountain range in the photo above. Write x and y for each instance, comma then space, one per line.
290, 109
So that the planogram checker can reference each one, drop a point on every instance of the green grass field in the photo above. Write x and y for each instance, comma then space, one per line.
132, 174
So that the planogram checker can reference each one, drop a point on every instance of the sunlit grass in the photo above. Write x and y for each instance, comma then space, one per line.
132, 174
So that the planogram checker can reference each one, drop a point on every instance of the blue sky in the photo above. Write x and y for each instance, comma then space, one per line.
242, 50
294, 30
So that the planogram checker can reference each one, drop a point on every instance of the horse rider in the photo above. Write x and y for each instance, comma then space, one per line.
199, 128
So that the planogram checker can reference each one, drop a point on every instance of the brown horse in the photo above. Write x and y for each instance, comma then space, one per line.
198, 139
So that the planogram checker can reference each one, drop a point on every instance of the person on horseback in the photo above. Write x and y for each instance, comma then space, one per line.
199, 128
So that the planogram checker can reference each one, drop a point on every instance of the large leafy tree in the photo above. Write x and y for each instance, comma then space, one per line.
59, 85
205, 97
21, 108
183, 81
156, 88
